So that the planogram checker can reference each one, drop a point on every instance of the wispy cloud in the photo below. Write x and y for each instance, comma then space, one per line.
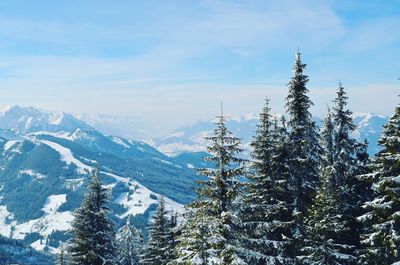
161, 59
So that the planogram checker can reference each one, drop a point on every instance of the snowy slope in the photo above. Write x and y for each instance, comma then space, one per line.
45, 165
15, 252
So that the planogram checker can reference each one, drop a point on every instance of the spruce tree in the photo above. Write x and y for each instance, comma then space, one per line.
221, 189
172, 233
129, 244
197, 241
265, 213
382, 237
327, 141
324, 222
93, 230
305, 153
346, 168
156, 251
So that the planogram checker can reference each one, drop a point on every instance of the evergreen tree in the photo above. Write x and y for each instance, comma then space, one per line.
344, 144
382, 219
327, 141
93, 230
265, 213
221, 189
305, 153
197, 241
346, 168
280, 160
61, 260
129, 244
324, 222
173, 233
363, 160
156, 251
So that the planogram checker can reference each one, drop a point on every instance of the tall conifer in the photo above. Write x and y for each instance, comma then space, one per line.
382, 220
305, 153
221, 190
265, 213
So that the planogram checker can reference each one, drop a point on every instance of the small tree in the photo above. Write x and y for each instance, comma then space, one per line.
197, 240
93, 230
129, 244
324, 222
61, 259
156, 251
173, 233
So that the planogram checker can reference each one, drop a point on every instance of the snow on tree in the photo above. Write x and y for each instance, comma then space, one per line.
61, 259
156, 251
327, 141
265, 213
382, 219
129, 244
92, 229
305, 153
323, 223
221, 190
172, 233
346, 168
198, 243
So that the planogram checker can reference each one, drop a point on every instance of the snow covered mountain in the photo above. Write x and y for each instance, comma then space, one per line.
45, 163
26, 120
191, 138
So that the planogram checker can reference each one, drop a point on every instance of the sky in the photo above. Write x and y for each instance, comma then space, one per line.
173, 62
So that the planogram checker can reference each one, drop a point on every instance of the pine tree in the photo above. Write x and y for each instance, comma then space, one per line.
221, 189
265, 214
346, 167
156, 251
129, 244
305, 153
382, 219
93, 230
324, 222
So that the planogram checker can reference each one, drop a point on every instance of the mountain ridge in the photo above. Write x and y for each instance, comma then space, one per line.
45, 166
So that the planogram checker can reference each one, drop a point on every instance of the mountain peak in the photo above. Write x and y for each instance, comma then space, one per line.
23, 120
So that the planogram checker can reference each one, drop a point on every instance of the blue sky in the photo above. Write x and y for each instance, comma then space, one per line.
172, 62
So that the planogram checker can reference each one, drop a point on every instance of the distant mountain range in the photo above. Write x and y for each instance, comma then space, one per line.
191, 138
